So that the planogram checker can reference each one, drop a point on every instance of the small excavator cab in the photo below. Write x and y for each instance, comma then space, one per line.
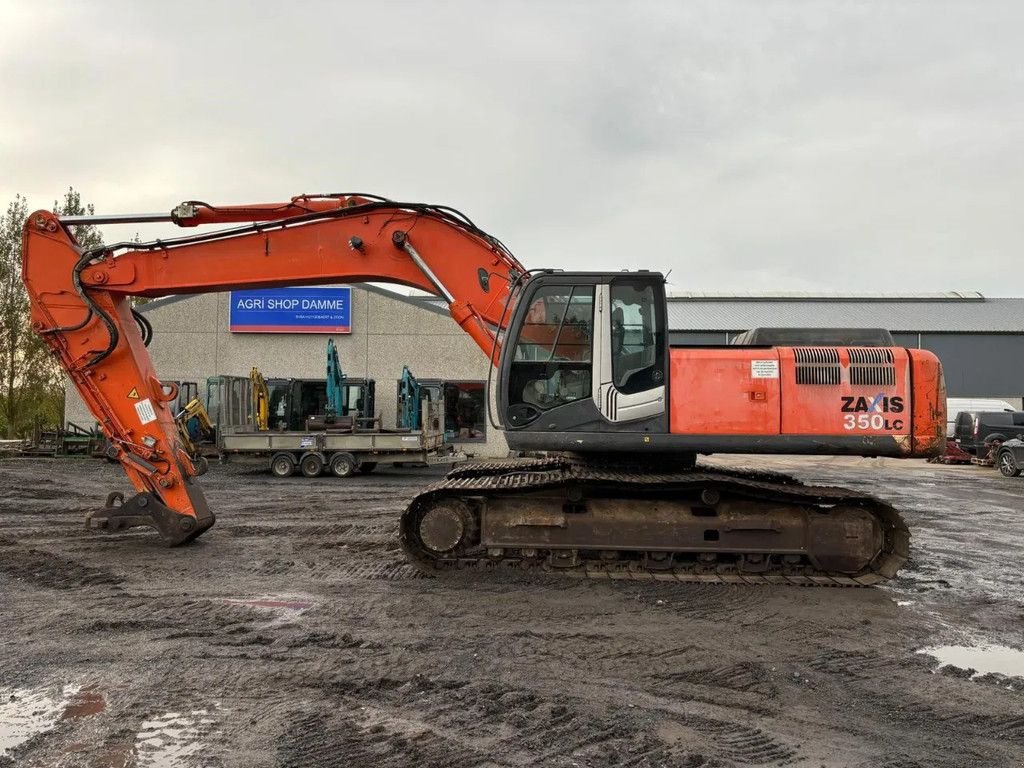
586, 352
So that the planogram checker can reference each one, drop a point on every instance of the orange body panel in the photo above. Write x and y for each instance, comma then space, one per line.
929, 404
713, 391
867, 409
756, 391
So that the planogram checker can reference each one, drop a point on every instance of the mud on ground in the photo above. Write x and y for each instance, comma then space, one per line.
294, 634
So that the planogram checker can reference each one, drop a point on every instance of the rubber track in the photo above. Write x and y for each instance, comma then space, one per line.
522, 476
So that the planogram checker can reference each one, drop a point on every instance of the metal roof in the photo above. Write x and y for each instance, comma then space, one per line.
805, 296
917, 314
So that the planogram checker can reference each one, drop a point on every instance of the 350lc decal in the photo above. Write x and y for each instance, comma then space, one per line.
872, 413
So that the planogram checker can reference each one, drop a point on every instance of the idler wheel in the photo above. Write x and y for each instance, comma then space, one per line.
446, 526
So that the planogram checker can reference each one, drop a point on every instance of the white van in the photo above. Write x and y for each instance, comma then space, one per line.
955, 405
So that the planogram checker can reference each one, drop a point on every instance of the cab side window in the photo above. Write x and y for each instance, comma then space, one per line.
638, 338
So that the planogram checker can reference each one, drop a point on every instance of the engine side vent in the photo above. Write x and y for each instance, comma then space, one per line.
872, 367
817, 365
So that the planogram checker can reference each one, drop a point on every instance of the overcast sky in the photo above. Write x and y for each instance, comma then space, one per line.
834, 147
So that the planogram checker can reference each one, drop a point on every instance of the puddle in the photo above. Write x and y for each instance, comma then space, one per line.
166, 741
985, 659
26, 712
85, 703
171, 739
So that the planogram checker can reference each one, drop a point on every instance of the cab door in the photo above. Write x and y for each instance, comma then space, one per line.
629, 354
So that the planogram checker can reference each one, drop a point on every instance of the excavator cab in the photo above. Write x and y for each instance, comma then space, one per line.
586, 353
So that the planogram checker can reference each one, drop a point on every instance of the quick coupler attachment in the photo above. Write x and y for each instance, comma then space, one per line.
145, 509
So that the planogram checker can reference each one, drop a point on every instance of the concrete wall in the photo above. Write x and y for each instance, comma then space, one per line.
191, 342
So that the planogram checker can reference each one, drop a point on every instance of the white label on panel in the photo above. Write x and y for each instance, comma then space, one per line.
764, 369
145, 410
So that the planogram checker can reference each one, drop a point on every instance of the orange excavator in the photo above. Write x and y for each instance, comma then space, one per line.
585, 377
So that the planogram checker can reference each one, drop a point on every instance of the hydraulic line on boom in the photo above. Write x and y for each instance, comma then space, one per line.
583, 371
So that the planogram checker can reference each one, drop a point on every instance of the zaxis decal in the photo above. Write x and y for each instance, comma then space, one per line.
880, 404
863, 413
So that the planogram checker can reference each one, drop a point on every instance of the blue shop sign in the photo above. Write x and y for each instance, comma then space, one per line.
291, 310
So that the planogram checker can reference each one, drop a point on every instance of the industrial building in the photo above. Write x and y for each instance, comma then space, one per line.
979, 340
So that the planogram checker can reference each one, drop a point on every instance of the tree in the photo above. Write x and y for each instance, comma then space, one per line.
13, 311
87, 235
31, 382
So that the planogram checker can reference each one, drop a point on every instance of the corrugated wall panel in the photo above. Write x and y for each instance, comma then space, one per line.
979, 364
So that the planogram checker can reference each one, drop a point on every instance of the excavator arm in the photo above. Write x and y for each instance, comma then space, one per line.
80, 305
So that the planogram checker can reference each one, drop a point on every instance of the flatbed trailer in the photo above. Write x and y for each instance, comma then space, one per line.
336, 445
341, 453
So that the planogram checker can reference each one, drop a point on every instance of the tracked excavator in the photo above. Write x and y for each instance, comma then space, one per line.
584, 379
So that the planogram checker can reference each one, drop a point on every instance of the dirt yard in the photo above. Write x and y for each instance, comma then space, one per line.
294, 634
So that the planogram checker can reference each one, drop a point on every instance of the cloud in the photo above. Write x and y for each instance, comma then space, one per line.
744, 145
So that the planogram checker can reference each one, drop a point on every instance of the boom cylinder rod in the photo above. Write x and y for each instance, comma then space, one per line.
117, 218
403, 241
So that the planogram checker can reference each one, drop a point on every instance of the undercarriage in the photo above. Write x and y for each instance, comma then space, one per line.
614, 520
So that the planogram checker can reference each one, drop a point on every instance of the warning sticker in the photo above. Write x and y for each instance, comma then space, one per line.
145, 410
133, 393
764, 369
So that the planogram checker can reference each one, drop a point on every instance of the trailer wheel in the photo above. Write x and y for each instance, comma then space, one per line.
367, 467
311, 465
343, 464
282, 465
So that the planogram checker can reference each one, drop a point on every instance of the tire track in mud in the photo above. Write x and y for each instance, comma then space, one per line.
744, 677
333, 532
698, 602
52, 571
371, 569
334, 741
898, 685
745, 744
529, 728
862, 665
